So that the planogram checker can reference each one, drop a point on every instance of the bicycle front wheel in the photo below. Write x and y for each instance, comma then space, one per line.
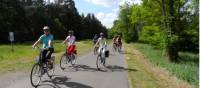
99, 62
64, 61
35, 76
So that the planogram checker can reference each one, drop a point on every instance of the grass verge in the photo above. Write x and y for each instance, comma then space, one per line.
187, 69
141, 77
23, 56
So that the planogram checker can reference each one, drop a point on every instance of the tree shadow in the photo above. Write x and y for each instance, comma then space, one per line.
188, 59
115, 68
63, 80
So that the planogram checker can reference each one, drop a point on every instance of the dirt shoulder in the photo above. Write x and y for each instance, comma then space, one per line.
148, 75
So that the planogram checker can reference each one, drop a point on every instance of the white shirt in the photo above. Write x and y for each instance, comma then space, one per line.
102, 41
70, 40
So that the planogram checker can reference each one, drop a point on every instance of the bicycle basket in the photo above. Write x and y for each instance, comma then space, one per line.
107, 53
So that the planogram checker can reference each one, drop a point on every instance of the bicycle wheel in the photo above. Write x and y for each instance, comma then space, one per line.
99, 62
64, 61
73, 59
36, 74
51, 67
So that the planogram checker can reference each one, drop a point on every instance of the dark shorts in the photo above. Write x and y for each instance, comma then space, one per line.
46, 54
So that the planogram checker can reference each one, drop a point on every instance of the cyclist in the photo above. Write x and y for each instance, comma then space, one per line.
115, 41
119, 41
95, 38
47, 48
71, 43
102, 44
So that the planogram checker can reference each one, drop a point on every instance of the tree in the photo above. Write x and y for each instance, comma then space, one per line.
171, 25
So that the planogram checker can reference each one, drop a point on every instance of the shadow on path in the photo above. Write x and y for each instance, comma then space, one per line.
109, 68
80, 67
115, 68
60, 81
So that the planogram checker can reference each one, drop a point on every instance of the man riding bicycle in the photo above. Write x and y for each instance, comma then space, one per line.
71, 43
47, 48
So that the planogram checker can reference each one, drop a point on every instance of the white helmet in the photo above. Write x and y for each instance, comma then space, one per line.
101, 34
46, 28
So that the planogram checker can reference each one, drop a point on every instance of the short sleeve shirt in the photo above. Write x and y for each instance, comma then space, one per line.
102, 41
45, 40
71, 40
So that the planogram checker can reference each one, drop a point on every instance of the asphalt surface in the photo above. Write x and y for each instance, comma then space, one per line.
83, 75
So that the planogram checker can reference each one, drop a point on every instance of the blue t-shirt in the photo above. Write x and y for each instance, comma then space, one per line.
45, 39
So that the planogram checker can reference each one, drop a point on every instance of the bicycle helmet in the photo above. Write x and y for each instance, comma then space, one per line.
46, 28
101, 34
71, 32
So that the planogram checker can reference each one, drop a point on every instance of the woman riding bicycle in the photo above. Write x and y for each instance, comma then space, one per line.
119, 41
102, 44
46, 40
115, 41
71, 43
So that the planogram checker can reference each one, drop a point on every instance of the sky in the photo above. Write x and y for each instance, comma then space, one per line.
105, 10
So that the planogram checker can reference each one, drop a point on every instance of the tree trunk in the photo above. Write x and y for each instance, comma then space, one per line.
172, 49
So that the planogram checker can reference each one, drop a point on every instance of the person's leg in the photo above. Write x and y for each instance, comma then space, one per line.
51, 50
44, 52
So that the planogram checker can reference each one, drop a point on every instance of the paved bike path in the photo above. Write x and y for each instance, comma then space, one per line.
83, 75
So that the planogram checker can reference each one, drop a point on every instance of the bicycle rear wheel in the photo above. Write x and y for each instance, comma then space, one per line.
36, 74
51, 67
73, 59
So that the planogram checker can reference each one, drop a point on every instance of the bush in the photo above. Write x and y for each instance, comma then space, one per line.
153, 35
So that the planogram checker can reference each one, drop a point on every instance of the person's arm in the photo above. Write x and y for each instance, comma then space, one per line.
50, 41
65, 41
105, 41
36, 43
74, 39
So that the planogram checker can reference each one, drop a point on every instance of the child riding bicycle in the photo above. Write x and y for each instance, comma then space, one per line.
71, 43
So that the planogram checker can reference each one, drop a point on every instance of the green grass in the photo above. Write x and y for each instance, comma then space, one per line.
23, 56
141, 76
187, 69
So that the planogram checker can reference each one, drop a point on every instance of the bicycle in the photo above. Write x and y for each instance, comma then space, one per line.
66, 59
101, 58
40, 68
